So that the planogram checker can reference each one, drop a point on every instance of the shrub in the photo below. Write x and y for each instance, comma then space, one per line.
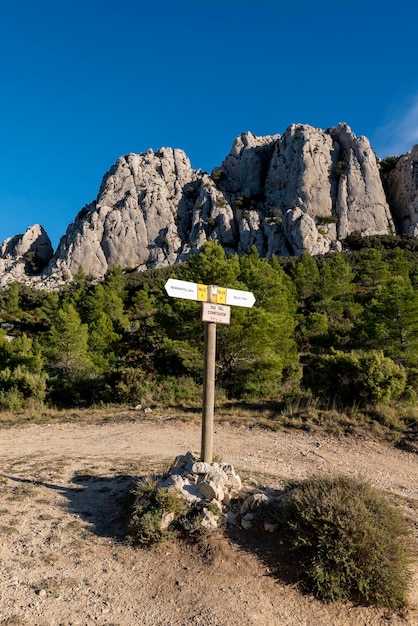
161, 514
388, 164
218, 175
341, 169
174, 390
349, 542
151, 505
132, 384
18, 386
364, 378
327, 219
220, 202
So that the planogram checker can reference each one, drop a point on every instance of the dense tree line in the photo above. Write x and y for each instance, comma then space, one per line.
343, 327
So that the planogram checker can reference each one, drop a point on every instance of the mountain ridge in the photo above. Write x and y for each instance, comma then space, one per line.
304, 190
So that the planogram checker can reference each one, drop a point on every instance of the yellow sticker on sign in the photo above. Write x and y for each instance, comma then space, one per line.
221, 295
202, 293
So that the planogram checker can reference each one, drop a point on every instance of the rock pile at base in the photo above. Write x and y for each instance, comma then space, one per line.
218, 485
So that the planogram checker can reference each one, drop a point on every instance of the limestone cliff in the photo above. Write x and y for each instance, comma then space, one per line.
307, 189
402, 191
24, 255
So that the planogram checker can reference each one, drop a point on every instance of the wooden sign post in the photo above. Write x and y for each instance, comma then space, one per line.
215, 309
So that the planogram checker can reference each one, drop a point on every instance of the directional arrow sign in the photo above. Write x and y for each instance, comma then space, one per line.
203, 293
183, 289
240, 298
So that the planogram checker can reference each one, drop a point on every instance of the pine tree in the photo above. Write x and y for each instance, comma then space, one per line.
103, 343
390, 321
67, 345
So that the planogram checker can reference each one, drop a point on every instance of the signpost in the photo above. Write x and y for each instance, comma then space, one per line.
215, 308
208, 293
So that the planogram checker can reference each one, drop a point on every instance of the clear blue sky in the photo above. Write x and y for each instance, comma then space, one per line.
86, 81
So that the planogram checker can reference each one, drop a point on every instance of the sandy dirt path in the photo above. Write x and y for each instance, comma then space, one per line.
64, 560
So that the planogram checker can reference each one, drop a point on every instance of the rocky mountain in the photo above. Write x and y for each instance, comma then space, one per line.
307, 189
402, 192
25, 256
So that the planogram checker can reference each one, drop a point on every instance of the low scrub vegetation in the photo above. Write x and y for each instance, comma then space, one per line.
342, 538
348, 541
161, 514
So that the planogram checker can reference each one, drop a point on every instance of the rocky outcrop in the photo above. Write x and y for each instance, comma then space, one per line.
307, 189
152, 210
360, 203
312, 189
24, 255
402, 191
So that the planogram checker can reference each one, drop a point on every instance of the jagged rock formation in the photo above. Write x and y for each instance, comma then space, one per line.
402, 190
24, 255
319, 186
307, 189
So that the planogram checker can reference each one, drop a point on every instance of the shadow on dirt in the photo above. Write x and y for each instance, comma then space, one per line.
103, 502
270, 549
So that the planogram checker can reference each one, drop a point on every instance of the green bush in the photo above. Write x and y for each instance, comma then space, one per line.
150, 506
349, 542
361, 378
19, 386
174, 390
161, 514
388, 164
218, 175
341, 169
132, 384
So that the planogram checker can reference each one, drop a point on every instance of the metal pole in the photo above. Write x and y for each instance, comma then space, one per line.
208, 391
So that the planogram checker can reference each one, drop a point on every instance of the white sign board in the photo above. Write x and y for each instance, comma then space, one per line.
218, 313
183, 289
204, 293
240, 298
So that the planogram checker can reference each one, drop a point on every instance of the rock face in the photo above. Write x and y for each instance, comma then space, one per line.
307, 189
140, 217
402, 190
24, 255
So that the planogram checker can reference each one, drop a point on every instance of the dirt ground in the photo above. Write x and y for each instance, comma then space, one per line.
64, 559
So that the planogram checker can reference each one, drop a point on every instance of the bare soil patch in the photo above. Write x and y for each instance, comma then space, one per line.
64, 559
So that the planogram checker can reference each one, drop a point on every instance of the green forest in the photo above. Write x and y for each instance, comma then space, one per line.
338, 332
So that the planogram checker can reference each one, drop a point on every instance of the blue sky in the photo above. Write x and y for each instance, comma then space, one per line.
86, 81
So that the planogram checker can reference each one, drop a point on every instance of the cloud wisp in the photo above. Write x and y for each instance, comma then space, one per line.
400, 134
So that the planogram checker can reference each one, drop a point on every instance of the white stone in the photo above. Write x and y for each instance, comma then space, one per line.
209, 519
201, 468
212, 490
166, 520
253, 502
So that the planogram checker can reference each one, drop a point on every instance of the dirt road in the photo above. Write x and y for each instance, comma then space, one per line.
64, 560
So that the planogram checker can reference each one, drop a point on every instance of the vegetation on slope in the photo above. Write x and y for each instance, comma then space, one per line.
338, 332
